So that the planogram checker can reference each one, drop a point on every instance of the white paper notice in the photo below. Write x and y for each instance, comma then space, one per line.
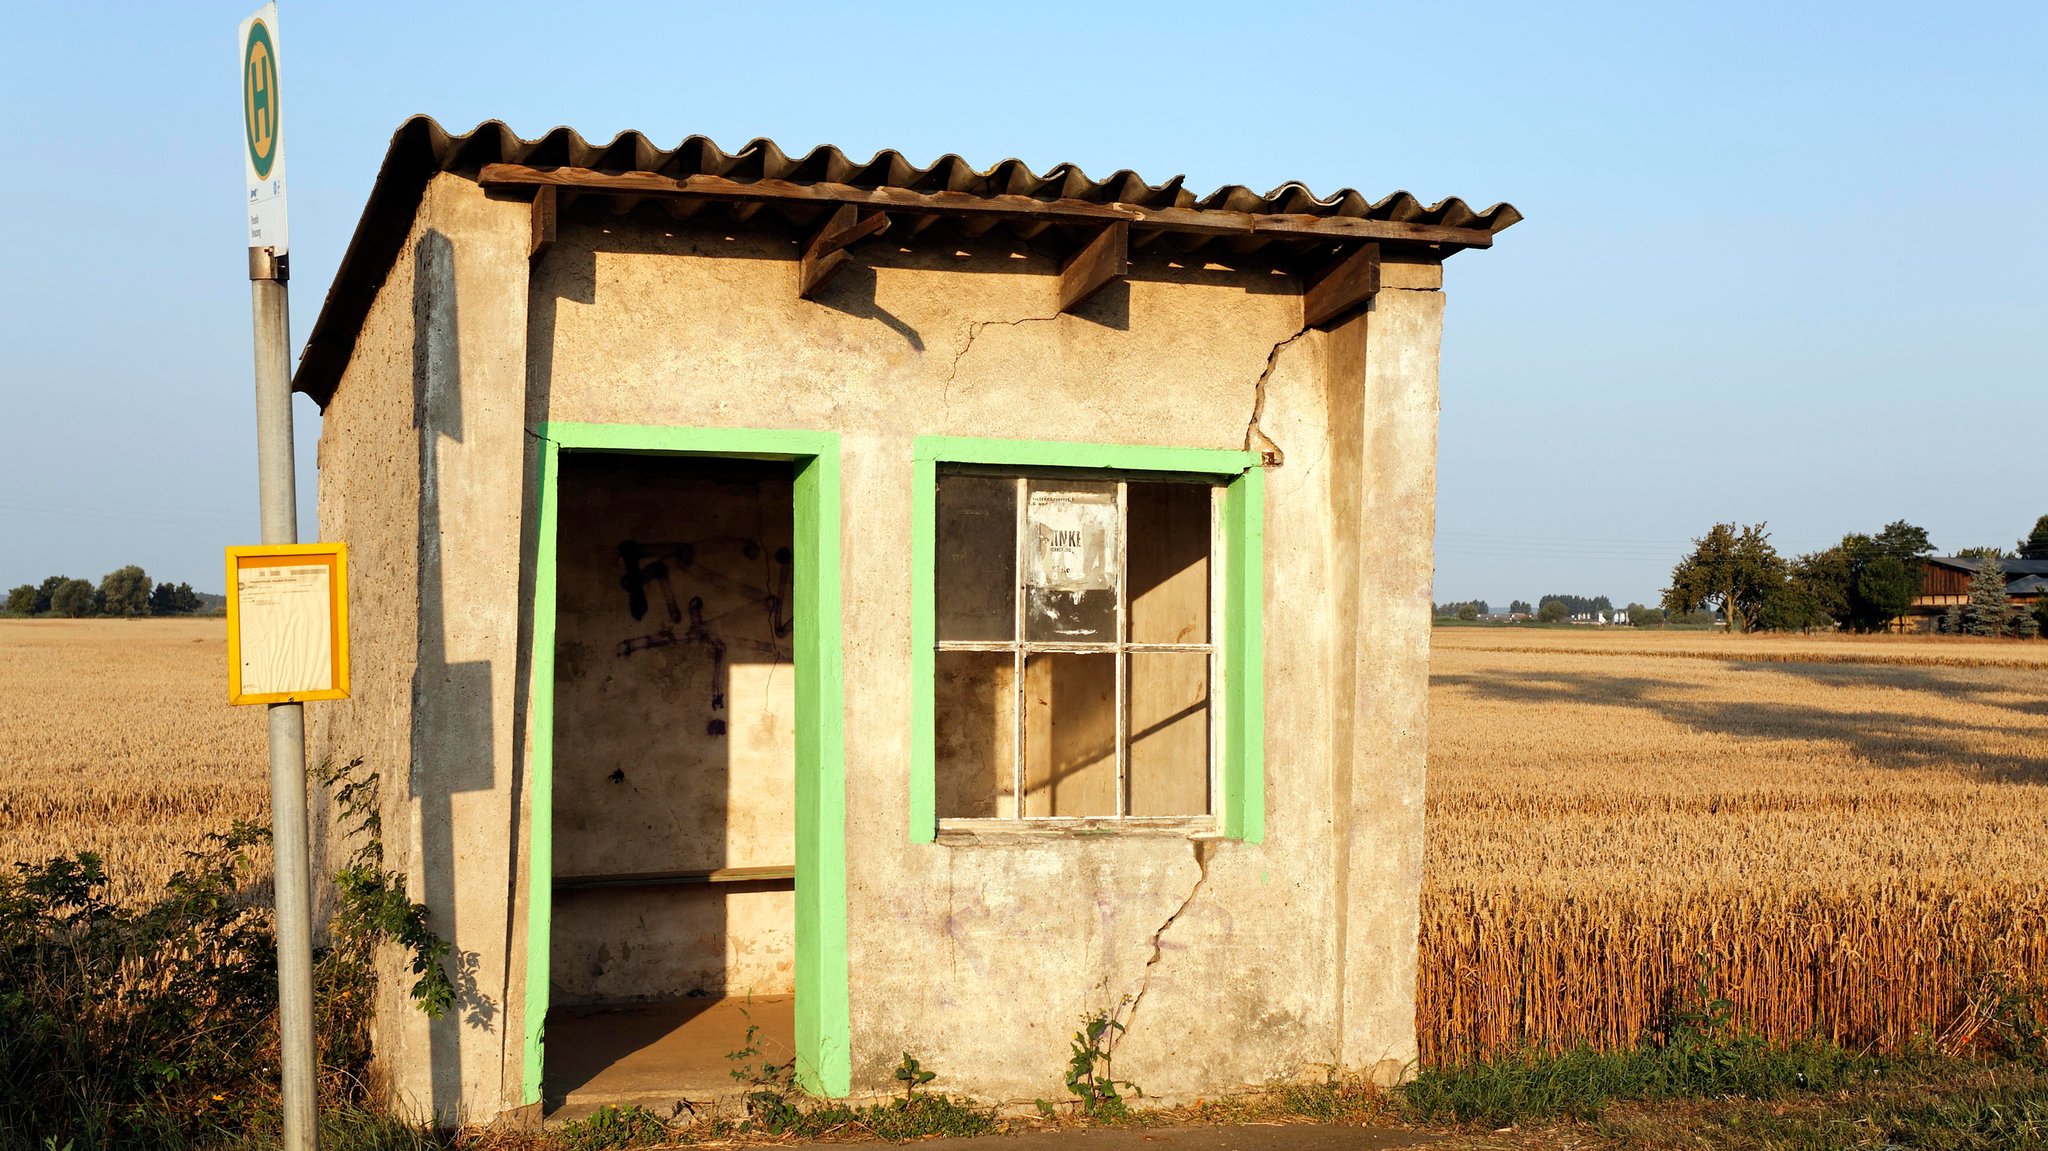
1073, 536
287, 629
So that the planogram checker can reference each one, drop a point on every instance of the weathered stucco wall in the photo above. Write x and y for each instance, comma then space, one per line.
980, 954
1247, 963
420, 467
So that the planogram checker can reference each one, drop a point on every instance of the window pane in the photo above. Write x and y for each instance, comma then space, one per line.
1071, 540
1168, 557
977, 543
1169, 733
975, 745
1070, 734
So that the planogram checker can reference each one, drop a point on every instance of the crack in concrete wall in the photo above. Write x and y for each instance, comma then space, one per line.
973, 331
1201, 850
1255, 437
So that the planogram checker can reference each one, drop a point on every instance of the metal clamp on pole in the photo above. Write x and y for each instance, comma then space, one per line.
266, 264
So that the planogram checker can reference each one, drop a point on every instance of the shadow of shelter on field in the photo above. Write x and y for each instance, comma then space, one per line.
1888, 740
1975, 685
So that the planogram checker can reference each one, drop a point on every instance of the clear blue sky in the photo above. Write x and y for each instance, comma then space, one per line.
1778, 266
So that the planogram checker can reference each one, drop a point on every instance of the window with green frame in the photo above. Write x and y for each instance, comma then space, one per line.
1087, 637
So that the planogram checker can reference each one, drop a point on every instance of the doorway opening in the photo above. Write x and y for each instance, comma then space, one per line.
633, 1025
674, 879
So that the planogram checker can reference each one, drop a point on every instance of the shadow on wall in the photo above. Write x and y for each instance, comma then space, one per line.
570, 273
454, 730
1886, 739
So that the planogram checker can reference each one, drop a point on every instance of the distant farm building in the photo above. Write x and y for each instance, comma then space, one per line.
1945, 583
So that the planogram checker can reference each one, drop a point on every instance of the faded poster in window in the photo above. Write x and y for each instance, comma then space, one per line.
1072, 576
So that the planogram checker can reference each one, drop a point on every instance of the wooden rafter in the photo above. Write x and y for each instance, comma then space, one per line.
1101, 262
826, 252
545, 206
1342, 288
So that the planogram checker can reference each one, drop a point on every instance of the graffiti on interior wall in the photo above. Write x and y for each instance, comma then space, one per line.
708, 564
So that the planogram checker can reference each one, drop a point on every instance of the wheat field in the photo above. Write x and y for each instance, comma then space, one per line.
116, 737
1850, 833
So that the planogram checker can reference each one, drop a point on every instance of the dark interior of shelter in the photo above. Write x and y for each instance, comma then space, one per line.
674, 777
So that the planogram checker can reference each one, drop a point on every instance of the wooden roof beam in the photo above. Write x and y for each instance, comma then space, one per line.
826, 252
758, 191
1100, 263
1186, 221
1297, 225
545, 209
1345, 286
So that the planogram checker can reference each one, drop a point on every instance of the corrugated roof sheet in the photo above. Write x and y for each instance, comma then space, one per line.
421, 148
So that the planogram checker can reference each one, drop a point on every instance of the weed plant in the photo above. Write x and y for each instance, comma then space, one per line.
1091, 1078
612, 1128
1336, 1100
123, 1025
774, 1106
126, 1025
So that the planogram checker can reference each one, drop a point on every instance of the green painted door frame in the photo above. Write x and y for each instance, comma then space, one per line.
824, 1061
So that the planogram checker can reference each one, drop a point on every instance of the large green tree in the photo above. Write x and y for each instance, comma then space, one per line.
73, 598
1863, 583
124, 592
2035, 546
173, 599
1904, 542
1822, 583
1732, 568
1885, 589
22, 600
47, 591
1989, 611
1793, 606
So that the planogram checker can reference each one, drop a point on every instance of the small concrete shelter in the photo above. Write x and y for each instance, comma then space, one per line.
899, 608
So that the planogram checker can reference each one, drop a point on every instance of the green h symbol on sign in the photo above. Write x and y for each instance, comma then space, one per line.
259, 98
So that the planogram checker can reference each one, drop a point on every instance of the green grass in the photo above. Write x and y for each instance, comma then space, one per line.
609, 1128
1581, 1084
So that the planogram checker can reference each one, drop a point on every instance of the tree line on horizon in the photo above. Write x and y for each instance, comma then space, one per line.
1560, 607
1861, 584
126, 592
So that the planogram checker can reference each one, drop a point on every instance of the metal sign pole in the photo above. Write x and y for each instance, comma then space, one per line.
269, 248
280, 503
